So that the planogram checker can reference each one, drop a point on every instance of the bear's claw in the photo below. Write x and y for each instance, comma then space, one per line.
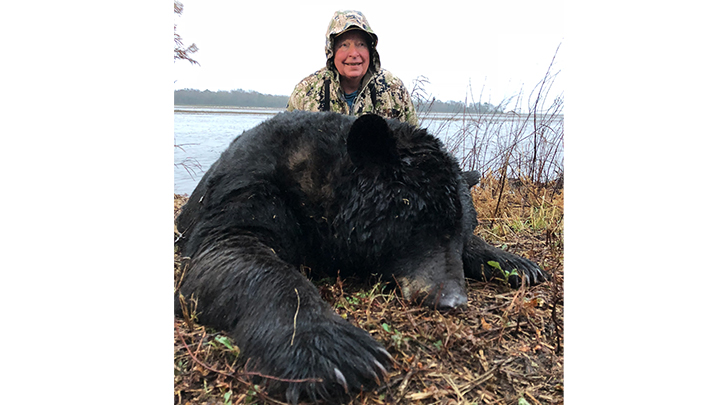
331, 362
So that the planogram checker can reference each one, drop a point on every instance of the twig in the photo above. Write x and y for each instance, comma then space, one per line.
406, 380
198, 361
292, 340
502, 187
287, 380
201, 340
529, 395
455, 388
476, 382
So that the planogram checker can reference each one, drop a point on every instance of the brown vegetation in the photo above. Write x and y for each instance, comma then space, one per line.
505, 347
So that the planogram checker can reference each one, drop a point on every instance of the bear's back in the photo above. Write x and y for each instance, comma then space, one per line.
289, 155
298, 176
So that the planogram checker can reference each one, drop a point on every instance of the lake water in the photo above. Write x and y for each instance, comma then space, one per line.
203, 133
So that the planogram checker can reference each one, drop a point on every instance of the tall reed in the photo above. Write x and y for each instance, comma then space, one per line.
512, 144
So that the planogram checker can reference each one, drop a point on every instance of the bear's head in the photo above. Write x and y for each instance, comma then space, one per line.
407, 212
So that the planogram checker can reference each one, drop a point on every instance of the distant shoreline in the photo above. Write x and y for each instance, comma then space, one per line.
214, 109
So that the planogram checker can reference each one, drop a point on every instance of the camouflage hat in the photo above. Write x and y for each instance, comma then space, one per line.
344, 21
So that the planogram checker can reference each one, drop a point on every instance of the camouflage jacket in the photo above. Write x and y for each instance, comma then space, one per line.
380, 92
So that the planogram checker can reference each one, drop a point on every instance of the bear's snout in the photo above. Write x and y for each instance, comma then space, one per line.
441, 296
451, 300
436, 280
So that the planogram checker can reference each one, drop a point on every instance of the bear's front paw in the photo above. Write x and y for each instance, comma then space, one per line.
329, 361
485, 262
517, 267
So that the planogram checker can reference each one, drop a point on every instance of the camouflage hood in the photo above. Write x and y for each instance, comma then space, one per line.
343, 21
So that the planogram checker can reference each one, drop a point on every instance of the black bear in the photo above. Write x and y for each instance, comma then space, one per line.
332, 193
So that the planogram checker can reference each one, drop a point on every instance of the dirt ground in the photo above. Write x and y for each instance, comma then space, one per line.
505, 347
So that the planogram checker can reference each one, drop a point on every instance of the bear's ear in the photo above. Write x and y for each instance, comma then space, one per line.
370, 141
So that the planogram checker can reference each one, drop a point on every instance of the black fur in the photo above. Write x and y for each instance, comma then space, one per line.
333, 193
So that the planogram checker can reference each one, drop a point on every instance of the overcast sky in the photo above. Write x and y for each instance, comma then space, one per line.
503, 46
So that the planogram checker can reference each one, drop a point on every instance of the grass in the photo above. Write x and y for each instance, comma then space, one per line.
505, 347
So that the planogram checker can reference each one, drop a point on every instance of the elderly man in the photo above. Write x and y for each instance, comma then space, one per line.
352, 81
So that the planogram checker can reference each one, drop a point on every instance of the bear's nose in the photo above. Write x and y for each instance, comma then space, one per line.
450, 301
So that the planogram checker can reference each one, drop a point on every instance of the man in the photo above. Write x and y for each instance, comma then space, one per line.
352, 81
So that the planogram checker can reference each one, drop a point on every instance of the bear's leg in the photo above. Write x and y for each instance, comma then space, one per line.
478, 253
284, 330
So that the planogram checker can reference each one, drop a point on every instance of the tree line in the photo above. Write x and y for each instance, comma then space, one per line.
233, 98
438, 106
244, 98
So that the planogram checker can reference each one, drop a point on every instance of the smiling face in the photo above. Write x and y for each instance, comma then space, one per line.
352, 57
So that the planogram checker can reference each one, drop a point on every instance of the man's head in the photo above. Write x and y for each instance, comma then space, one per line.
352, 54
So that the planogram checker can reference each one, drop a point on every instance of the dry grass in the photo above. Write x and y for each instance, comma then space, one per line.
505, 347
